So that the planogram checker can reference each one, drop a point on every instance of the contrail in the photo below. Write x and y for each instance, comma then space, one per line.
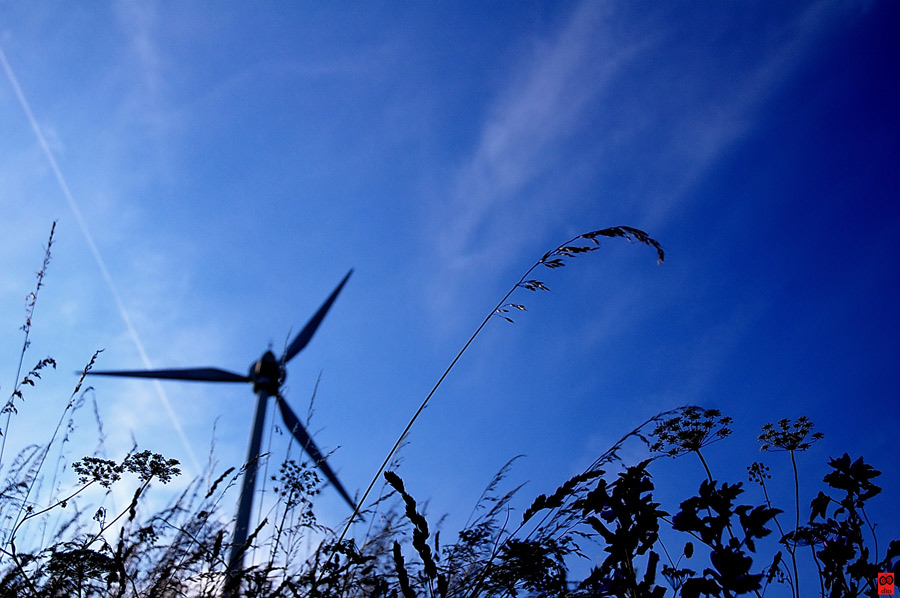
67, 193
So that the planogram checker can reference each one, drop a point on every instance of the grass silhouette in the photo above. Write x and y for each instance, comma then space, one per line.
53, 546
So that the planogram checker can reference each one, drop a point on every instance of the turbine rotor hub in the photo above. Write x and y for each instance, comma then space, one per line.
267, 374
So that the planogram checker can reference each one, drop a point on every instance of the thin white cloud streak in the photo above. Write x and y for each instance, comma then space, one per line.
73, 205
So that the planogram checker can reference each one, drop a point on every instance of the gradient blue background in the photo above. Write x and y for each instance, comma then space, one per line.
231, 162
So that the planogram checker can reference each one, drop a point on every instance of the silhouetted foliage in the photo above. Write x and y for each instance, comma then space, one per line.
608, 514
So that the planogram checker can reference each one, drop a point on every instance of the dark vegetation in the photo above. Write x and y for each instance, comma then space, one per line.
716, 542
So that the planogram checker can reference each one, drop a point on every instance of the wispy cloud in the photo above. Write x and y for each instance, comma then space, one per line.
718, 112
656, 124
527, 125
492, 210
138, 21
98, 258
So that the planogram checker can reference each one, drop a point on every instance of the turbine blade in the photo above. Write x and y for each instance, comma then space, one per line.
302, 339
296, 428
193, 374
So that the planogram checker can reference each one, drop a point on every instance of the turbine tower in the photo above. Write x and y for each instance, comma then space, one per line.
267, 375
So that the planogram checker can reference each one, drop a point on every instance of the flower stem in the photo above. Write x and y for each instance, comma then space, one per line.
796, 524
705, 466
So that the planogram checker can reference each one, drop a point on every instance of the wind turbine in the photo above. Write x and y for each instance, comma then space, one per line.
267, 375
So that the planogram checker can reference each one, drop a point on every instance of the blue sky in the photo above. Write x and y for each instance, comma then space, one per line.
230, 164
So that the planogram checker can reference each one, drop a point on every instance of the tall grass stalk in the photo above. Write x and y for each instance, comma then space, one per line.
24, 508
555, 258
30, 304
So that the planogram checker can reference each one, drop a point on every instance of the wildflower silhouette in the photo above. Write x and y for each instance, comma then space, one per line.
691, 430
791, 437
